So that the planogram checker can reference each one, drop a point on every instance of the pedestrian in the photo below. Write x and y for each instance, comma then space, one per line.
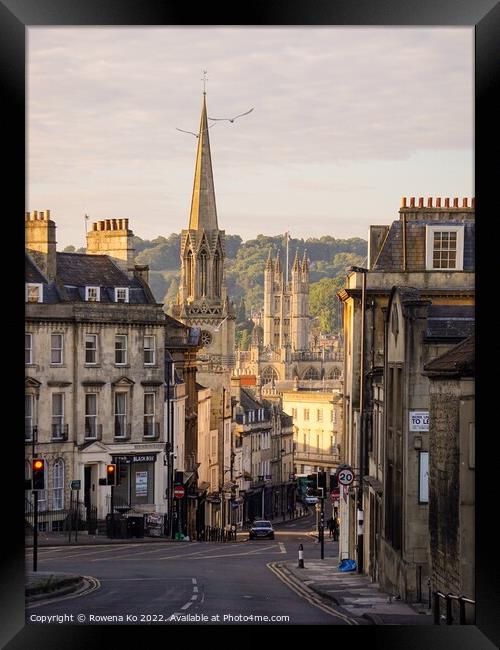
330, 524
336, 527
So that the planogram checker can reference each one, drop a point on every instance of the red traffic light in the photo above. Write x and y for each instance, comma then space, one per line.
38, 473
111, 474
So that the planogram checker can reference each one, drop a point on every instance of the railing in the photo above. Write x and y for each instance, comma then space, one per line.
122, 428
93, 432
59, 431
151, 428
60, 521
462, 601
215, 534
313, 455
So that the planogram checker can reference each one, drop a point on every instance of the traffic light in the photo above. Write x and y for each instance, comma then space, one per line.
322, 480
111, 474
38, 473
334, 482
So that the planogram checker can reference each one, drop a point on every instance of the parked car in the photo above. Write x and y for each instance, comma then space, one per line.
310, 500
261, 529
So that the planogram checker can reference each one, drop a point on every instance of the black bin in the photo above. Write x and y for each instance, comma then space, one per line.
135, 526
116, 526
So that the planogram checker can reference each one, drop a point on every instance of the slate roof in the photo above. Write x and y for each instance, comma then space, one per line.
75, 271
460, 360
450, 321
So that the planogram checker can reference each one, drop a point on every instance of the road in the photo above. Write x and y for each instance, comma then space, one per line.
192, 582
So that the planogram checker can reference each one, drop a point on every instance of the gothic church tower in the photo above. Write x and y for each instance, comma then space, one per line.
202, 298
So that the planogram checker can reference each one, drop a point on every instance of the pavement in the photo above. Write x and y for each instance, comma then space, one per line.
43, 585
354, 593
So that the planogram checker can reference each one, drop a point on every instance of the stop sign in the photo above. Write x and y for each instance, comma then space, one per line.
179, 491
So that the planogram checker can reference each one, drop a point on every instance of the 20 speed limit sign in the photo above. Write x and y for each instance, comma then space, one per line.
345, 476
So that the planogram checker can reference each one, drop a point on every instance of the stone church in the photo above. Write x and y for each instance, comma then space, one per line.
284, 350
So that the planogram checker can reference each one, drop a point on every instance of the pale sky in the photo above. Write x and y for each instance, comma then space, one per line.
346, 121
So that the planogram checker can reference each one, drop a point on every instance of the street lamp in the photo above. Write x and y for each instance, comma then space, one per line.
362, 428
169, 444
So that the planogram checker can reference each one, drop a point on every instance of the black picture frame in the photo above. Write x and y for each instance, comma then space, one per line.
15, 16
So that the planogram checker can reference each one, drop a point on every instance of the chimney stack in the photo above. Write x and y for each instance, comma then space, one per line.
40, 241
112, 237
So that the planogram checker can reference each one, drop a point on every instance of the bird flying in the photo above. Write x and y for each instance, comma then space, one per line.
196, 135
229, 119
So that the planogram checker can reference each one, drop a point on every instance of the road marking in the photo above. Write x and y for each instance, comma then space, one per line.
187, 605
194, 597
92, 585
195, 590
282, 547
194, 580
308, 595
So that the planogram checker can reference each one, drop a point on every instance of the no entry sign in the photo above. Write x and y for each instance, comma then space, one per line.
179, 491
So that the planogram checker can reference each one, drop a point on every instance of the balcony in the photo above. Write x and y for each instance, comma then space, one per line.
30, 432
319, 456
123, 429
59, 432
93, 431
151, 429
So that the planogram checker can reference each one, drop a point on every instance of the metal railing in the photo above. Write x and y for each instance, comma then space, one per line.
60, 521
449, 599
59, 431
151, 428
123, 428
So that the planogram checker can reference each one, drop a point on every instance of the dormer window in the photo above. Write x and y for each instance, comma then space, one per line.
92, 294
121, 294
445, 248
34, 292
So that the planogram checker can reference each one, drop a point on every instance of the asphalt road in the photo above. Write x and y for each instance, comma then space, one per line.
187, 583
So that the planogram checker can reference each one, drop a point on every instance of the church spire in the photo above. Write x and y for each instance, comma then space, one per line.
203, 208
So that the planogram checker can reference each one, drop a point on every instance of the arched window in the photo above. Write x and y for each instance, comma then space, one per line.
335, 373
27, 470
269, 373
217, 279
203, 273
311, 373
58, 485
189, 275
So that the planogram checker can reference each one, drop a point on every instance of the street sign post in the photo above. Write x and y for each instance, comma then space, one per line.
179, 491
76, 485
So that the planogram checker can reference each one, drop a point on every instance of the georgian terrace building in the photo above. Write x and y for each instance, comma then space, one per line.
95, 369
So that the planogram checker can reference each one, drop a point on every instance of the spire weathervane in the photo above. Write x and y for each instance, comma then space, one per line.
205, 78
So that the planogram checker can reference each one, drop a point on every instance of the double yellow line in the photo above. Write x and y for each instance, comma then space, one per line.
307, 594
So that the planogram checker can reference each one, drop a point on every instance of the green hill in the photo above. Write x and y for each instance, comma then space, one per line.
245, 270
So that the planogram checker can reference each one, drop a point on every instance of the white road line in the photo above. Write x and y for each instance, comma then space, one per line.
195, 597
282, 547
194, 580
187, 605
195, 590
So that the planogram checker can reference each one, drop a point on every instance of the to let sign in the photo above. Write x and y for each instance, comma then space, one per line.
419, 420
76, 485
179, 491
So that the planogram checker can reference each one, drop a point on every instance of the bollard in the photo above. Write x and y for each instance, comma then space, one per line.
301, 556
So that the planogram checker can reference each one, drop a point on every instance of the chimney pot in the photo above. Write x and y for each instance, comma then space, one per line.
126, 224
455, 202
35, 215
429, 202
94, 225
412, 201
421, 202
464, 204
473, 202
447, 203
438, 202
102, 225
403, 202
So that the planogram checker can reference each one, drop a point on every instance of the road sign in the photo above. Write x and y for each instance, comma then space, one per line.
345, 476
179, 491
76, 485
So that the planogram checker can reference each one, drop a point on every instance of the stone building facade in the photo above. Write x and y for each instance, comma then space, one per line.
452, 472
429, 254
95, 342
